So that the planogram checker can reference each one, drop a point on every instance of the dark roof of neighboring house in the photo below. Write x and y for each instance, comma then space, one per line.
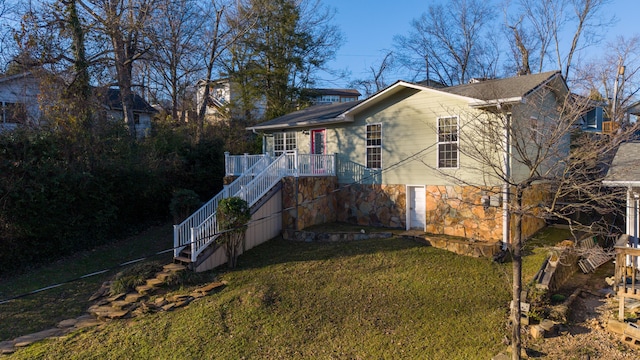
313, 115
340, 92
624, 170
494, 89
431, 83
634, 109
112, 100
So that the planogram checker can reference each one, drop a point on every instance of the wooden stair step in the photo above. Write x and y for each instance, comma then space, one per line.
183, 259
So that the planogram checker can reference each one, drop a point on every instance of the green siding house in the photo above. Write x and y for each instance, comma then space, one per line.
407, 144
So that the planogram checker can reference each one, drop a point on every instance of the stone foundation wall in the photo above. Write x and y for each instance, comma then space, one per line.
308, 201
460, 211
531, 224
373, 205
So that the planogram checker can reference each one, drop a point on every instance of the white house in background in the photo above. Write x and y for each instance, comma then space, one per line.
330, 96
223, 92
142, 111
20, 105
19, 101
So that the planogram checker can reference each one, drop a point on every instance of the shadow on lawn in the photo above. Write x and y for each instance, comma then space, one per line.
278, 250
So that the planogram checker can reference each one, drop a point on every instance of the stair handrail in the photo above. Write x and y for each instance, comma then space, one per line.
182, 231
207, 231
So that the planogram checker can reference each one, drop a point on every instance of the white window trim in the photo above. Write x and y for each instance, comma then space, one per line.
457, 142
367, 147
284, 142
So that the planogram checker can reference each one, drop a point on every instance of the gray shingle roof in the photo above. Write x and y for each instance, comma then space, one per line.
313, 115
625, 168
501, 88
519, 86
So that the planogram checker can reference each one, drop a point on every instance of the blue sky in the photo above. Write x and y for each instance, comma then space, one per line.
369, 26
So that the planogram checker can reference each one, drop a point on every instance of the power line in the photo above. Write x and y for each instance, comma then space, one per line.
277, 213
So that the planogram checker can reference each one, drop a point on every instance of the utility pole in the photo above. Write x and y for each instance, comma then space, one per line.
614, 106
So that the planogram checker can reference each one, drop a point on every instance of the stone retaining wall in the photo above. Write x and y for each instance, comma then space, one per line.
310, 236
464, 247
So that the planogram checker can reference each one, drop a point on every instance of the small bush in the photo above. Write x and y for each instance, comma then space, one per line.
183, 203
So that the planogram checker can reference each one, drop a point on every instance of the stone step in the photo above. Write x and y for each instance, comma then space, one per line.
144, 289
212, 286
174, 267
133, 297
108, 312
27, 340
163, 275
154, 282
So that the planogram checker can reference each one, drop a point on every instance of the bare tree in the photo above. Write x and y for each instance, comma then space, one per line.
522, 149
536, 28
615, 77
454, 38
376, 81
126, 25
175, 60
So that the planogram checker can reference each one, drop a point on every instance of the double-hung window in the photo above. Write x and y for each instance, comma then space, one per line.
284, 142
374, 146
448, 142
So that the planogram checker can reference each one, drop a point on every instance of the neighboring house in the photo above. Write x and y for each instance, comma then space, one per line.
625, 173
330, 96
593, 116
633, 112
142, 111
385, 161
20, 99
222, 93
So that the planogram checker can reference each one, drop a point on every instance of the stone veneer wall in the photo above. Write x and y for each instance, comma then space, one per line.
316, 201
458, 211
531, 224
373, 205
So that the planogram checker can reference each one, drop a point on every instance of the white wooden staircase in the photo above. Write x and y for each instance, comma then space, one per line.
259, 178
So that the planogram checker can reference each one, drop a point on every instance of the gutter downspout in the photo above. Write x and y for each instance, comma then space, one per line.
264, 142
506, 221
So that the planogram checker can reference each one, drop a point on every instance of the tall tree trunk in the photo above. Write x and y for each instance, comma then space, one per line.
517, 276
123, 71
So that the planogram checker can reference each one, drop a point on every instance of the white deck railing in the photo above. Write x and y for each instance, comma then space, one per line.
182, 231
235, 165
201, 228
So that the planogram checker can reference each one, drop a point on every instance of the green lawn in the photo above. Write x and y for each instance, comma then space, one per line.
45, 309
383, 298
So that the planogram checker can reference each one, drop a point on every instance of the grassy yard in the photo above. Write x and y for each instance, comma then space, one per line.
383, 298
45, 309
